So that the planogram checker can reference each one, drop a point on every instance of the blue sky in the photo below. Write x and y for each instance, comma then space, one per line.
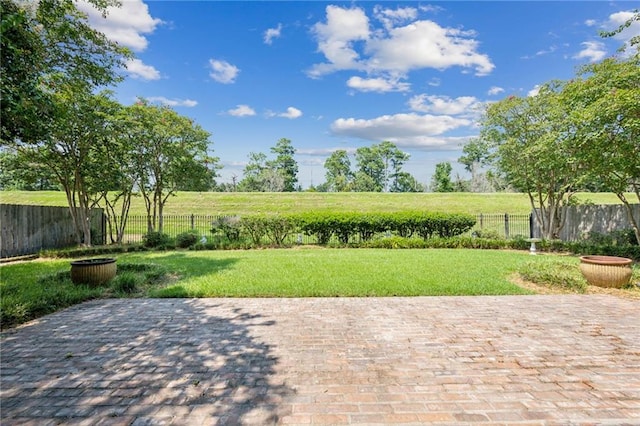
341, 75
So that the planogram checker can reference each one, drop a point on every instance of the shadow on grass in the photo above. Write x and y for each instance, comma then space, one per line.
143, 361
185, 266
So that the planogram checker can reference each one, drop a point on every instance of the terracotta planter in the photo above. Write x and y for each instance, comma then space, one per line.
93, 271
606, 271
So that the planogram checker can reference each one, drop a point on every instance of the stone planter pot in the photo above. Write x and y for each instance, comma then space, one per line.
606, 271
93, 271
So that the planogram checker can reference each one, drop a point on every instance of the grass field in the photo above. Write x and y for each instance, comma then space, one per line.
238, 203
32, 289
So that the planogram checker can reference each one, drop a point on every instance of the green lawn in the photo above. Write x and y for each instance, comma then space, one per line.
315, 272
216, 203
32, 289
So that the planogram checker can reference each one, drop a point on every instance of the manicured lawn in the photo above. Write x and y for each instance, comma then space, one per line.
32, 289
238, 203
310, 272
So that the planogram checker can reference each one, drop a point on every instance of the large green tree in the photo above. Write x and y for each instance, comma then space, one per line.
46, 45
285, 165
338, 171
604, 113
441, 180
170, 153
535, 151
77, 150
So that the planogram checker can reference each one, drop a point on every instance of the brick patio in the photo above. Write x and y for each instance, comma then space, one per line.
509, 360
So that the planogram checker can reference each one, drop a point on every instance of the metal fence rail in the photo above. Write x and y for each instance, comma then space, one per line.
489, 225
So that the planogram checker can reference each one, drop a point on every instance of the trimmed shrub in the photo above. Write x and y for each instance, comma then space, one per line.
156, 239
187, 239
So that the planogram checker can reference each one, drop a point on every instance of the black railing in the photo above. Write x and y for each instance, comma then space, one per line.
487, 225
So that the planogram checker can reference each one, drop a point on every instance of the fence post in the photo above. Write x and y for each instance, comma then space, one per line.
193, 222
481, 220
530, 225
506, 225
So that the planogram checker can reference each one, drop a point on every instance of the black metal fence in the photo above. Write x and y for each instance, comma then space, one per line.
488, 225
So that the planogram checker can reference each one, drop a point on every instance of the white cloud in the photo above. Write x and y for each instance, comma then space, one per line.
619, 18
590, 22
137, 69
125, 25
534, 91
434, 82
223, 71
392, 50
336, 38
242, 111
593, 51
380, 85
291, 113
393, 17
403, 129
495, 90
272, 33
173, 102
444, 104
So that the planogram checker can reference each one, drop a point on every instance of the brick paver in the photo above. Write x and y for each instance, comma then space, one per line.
509, 360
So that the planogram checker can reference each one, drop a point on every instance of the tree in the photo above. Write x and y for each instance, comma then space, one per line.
25, 106
20, 172
635, 40
338, 171
604, 105
171, 153
441, 180
405, 182
535, 151
285, 165
370, 163
45, 45
73, 152
253, 173
476, 155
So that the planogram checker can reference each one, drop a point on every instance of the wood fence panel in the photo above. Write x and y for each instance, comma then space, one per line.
29, 229
602, 219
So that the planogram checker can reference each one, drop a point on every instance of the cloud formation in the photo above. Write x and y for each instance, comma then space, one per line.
405, 130
242, 111
463, 105
495, 90
126, 25
291, 113
349, 41
272, 33
379, 84
222, 71
173, 102
137, 69
593, 51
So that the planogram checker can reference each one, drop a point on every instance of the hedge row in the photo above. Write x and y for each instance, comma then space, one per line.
349, 227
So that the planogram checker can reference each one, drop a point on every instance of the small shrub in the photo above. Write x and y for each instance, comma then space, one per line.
156, 239
229, 226
126, 282
187, 239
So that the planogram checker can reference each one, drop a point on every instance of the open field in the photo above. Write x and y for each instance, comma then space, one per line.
239, 203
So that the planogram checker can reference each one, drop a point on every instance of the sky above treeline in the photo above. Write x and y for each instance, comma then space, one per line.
342, 75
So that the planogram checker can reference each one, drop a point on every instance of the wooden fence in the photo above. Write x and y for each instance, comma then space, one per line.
29, 229
602, 219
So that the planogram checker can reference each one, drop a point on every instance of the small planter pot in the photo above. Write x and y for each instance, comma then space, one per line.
93, 271
606, 271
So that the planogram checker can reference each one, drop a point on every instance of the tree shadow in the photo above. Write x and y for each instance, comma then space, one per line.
187, 361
